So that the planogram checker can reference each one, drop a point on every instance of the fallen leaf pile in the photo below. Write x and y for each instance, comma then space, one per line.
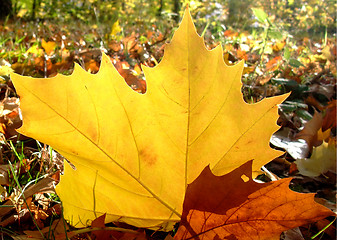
142, 159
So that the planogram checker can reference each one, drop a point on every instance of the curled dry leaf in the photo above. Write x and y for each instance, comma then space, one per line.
233, 206
45, 185
10, 117
309, 132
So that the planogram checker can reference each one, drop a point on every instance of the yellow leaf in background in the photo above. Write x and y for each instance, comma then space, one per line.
136, 153
22, 12
268, 49
323, 159
5, 70
193, 5
49, 46
115, 29
35, 50
279, 46
326, 53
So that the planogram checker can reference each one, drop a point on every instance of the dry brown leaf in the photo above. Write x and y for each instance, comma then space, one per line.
309, 132
233, 206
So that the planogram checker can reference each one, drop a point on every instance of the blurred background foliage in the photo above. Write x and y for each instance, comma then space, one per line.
309, 16
290, 39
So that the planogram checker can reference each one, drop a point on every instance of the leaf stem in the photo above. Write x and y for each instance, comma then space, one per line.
91, 229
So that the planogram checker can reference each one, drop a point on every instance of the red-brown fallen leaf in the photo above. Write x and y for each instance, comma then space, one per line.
241, 54
134, 82
274, 63
329, 120
49, 46
230, 207
312, 101
10, 119
39, 215
309, 132
130, 42
115, 46
111, 234
137, 84
92, 66
231, 34
99, 223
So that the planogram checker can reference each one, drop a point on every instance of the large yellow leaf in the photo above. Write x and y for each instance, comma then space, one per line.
135, 154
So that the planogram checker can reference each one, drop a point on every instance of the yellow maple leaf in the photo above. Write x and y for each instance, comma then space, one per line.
136, 153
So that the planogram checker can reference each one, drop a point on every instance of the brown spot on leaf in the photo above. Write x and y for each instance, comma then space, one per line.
148, 156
